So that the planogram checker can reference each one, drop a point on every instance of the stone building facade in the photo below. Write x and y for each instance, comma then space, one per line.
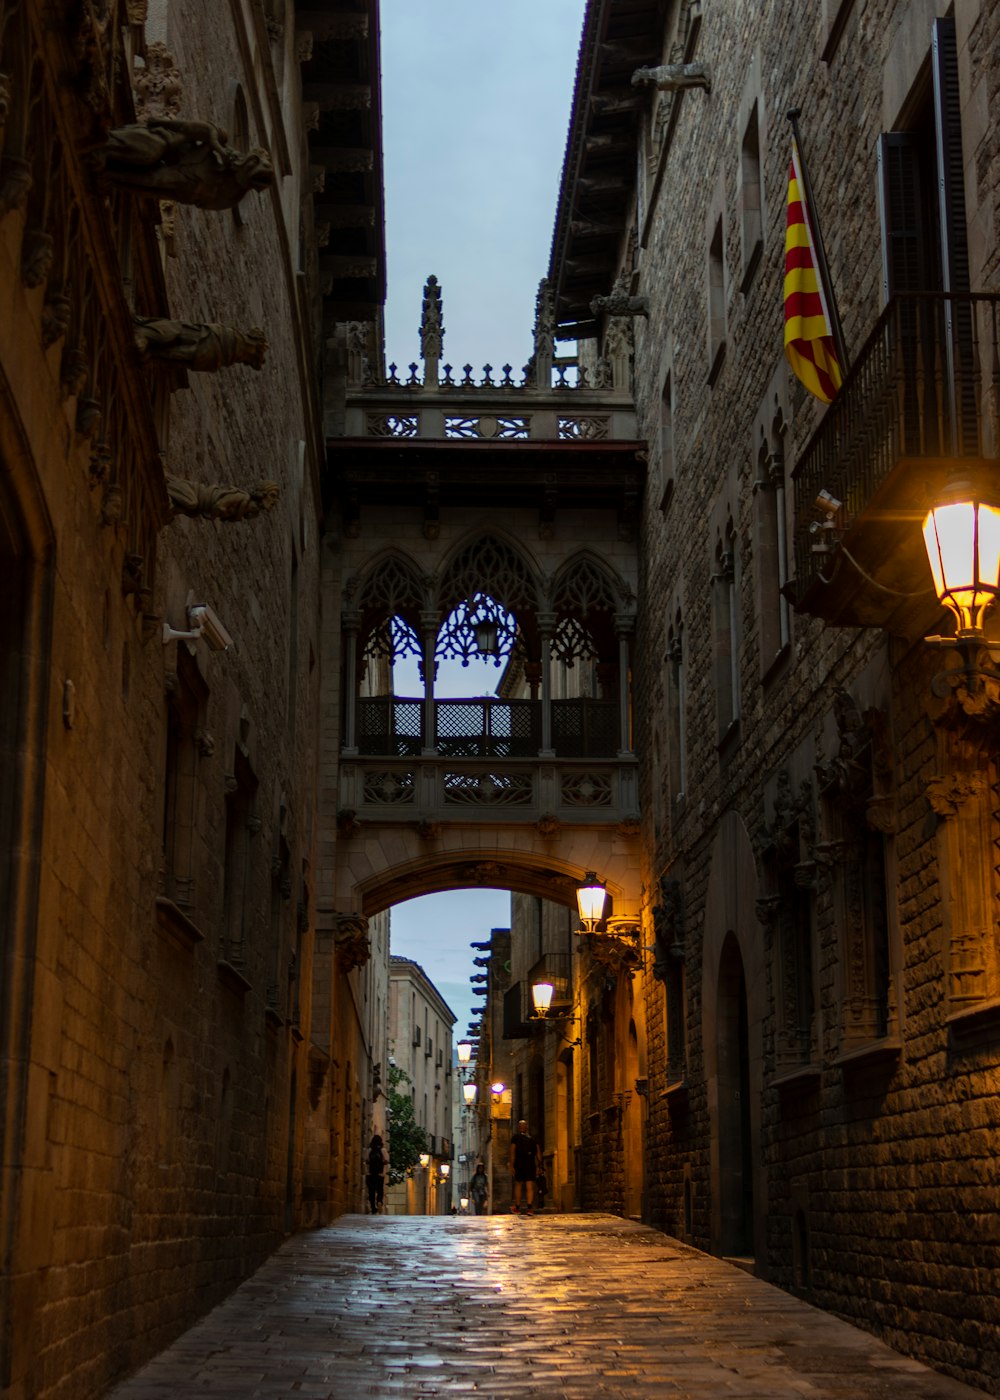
820, 891
420, 1043
181, 1083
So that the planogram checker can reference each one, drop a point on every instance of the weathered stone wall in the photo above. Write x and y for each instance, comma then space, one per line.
167, 1054
867, 1193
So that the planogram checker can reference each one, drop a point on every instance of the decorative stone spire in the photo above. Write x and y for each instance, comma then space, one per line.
431, 331
545, 334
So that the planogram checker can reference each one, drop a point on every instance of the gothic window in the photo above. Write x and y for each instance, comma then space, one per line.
771, 552
389, 601
787, 909
667, 442
677, 707
241, 824
855, 853
487, 580
669, 968
725, 642
187, 697
716, 303
750, 192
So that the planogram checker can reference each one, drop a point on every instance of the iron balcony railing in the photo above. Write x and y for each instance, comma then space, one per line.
487, 728
925, 387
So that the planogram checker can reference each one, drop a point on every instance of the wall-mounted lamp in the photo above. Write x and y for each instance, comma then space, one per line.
591, 897
962, 539
469, 1092
464, 1051
497, 1088
541, 996
425, 1159
445, 1170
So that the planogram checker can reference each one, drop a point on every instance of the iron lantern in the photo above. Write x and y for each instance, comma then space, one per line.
590, 899
962, 539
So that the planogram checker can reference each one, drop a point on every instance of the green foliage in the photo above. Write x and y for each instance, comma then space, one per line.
406, 1139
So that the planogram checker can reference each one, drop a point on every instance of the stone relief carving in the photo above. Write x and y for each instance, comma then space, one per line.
948, 792
187, 345
158, 87
187, 161
674, 77
350, 938
228, 503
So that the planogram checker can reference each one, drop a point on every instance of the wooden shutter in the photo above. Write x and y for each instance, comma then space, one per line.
948, 134
904, 251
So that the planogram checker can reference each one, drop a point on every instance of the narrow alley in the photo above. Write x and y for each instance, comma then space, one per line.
558, 1306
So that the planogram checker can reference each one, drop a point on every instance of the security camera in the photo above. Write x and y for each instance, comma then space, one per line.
828, 503
201, 617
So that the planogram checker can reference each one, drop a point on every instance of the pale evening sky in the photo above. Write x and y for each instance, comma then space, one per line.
476, 103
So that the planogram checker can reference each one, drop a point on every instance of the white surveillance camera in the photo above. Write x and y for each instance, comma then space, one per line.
202, 618
828, 503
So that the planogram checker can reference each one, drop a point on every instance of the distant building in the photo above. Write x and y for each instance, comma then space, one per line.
420, 1024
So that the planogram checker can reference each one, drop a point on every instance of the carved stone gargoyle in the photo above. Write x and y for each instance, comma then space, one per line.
673, 77
619, 303
220, 502
185, 345
190, 162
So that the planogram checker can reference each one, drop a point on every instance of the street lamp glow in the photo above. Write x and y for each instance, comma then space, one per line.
497, 1088
445, 1169
464, 1050
425, 1158
962, 539
463, 1201
469, 1093
541, 995
590, 901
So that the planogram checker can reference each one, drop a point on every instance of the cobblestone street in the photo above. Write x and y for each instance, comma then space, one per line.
553, 1306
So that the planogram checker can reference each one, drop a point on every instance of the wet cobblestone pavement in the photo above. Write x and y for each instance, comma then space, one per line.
559, 1307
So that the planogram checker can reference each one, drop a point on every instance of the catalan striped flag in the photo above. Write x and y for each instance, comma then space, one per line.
809, 339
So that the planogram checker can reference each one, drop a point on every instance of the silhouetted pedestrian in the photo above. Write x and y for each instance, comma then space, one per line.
375, 1175
525, 1163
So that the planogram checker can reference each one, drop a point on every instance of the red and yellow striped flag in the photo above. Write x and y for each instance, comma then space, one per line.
809, 343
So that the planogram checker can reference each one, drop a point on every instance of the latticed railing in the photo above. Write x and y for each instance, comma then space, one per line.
487, 728
925, 386
584, 728
390, 727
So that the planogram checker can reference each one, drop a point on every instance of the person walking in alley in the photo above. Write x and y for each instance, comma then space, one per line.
375, 1175
525, 1163
479, 1188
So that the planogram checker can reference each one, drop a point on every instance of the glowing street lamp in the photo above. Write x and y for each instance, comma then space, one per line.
469, 1094
445, 1169
962, 539
590, 901
463, 1201
464, 1049
541, 996
425, 1159
497, 1088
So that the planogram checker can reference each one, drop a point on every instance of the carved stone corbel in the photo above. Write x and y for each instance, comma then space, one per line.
158, 87
350, 940
948, 792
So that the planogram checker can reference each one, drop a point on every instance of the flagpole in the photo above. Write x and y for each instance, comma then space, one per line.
823, 267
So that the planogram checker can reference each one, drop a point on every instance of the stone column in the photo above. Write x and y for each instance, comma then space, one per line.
429, 625
624, 628
546, 626
351, 623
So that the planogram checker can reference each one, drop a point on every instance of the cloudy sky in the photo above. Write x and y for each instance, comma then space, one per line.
476, 101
